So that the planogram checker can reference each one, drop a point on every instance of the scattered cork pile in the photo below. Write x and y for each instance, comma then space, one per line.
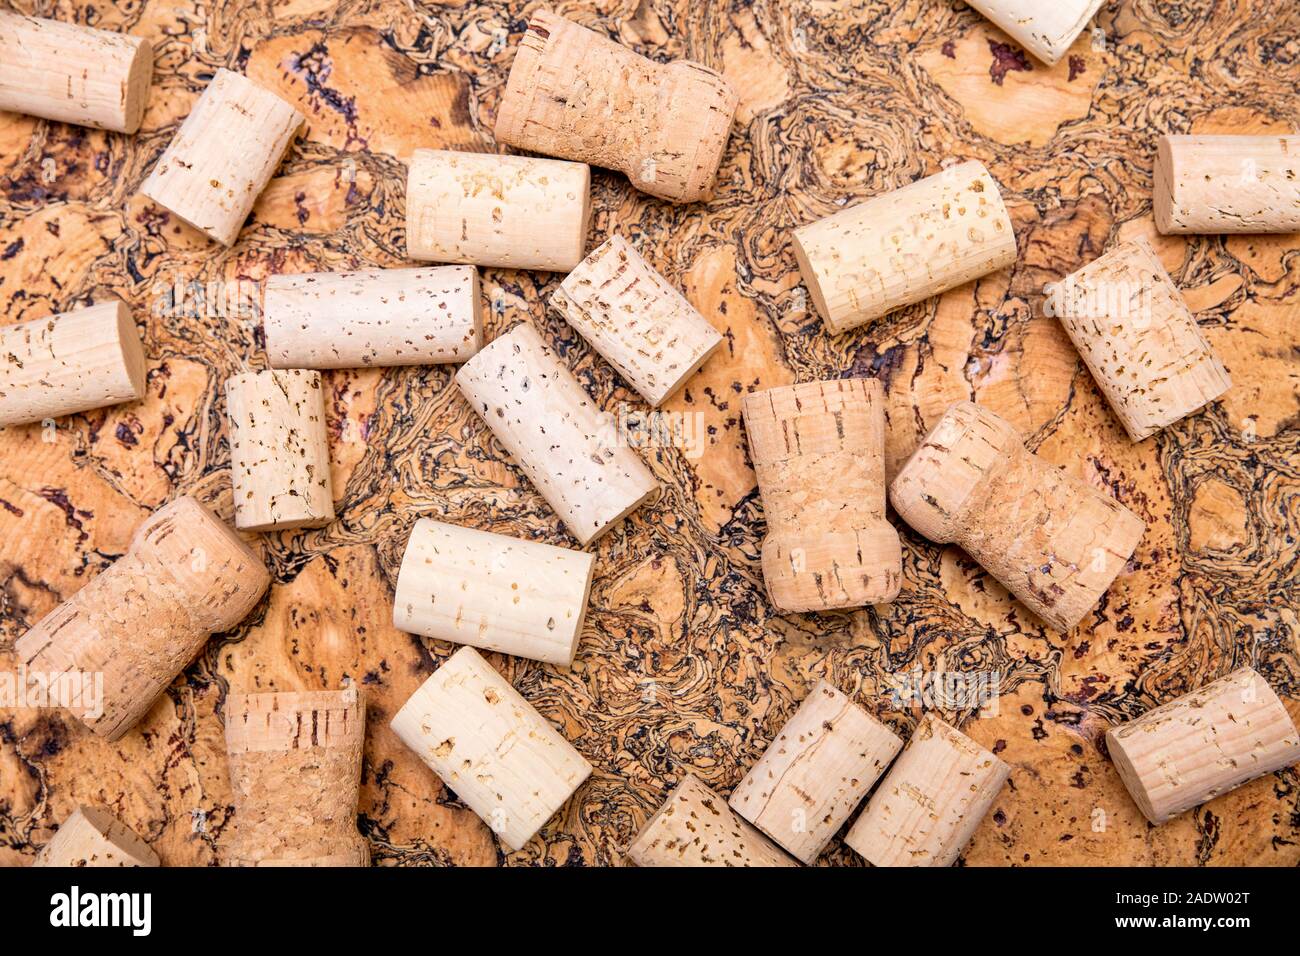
1055, 542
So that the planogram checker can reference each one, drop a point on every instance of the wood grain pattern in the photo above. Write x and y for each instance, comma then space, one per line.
683, 668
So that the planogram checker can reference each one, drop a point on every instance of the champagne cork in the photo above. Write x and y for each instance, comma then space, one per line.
73, 74
69, 363
137, 625
494, 592
279, 450
514, 212
819, 453
489, 745
695, 827
905, 246
1047, 30
576, 94
1052, 540
569, 449
94, 837
931, 801
295, 772
1203, 744
223, 156
1226, 184
639, 323
379, 317
816, 772
1138, 338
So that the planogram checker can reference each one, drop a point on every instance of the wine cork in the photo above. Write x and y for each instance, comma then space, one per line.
1203, 744
569, 449
1138, 338
1227, 184
931, 801
295, 774
489, 745
1047, 30
379, 317
94, 837
134, 627
513, 212
69, 363
819, 453
73, 74
695, 827
639, 323
279, 450
576, 94
223, 156
905, 246
494, 592
1052, 540
816, 772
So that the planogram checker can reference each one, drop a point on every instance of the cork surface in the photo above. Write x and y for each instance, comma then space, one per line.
682, 666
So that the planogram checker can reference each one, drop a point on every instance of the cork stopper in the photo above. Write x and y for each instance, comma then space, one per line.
92, 837
937, 486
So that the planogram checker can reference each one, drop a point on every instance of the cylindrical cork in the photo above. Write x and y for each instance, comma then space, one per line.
69, 363
132, 629
380, 317
223, 156
1052, 540
905, 246
576, 94
1047, 30
499, 593
819, 452
931, 801
1223, 184
490, 746
815, 772
569, 449
514, 212
295, 772
94, 837
640, 324
695, 827
1138, 338
73, 74
1193, 749
279, 450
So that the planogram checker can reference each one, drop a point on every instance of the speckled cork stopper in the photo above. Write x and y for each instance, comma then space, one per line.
639, 323
490, 746
379, 317
1047, 30
92, 837
695, 827
491, 591
1138, 338
1193, 749
819, 452
69, 363
1227, 184
815, 772
576, 94
569, 449
932, 800
295, 771
279, 450
73, 74
1052, 540
512, 212
905, 246
223, 156
141, 621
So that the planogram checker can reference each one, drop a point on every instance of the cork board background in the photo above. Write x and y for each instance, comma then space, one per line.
683, 667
